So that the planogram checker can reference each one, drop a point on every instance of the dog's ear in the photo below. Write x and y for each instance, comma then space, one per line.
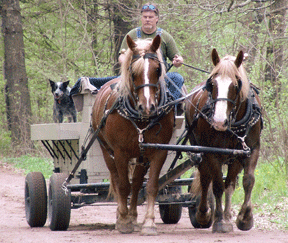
65, 84
52, 84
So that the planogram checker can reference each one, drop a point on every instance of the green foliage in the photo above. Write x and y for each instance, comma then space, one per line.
65, 40
269, 195
5, 142
30, 164
270, 185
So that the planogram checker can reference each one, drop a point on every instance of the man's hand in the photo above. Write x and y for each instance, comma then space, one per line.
177, 61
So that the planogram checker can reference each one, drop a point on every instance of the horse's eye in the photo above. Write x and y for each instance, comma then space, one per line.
209, 85
239, 86
158, 71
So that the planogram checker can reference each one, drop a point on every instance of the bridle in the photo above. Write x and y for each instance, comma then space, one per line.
146, 56
209, 107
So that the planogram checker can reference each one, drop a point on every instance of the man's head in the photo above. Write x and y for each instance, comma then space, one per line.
150, 7
149, 17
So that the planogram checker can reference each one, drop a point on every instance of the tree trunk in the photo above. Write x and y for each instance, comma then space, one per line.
18, 107
122, 13
275, 47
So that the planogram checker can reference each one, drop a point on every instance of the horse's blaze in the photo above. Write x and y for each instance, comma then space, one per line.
220, 117
148, 103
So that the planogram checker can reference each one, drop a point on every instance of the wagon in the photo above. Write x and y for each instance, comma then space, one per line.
89, 184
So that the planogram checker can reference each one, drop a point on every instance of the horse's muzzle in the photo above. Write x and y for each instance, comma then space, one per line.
220, 126
147, 111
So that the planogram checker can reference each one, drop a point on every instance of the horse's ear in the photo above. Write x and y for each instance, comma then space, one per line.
215, 57
239, 59
131, 44
156, 43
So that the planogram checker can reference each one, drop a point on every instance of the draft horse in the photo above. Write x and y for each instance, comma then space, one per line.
226, 113
128, 114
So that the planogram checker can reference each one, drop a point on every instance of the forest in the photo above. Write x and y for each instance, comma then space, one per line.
66, 40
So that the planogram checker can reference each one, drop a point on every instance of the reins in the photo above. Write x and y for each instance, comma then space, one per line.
198, 69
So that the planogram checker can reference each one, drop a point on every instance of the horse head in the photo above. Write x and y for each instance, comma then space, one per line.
145, 71
227, 87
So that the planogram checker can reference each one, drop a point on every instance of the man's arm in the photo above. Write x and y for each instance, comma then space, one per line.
172, 50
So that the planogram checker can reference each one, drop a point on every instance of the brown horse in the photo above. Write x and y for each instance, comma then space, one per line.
131, 113
226, 113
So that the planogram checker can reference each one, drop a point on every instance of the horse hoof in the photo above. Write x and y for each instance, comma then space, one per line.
245, 220
244, 225
148, 231
220, 227
203, 218
124, 228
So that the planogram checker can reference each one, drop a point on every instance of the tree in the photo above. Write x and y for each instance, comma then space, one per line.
275, 46
123, 23
18, 107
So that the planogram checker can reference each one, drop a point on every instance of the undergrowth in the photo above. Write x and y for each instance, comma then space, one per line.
29, 163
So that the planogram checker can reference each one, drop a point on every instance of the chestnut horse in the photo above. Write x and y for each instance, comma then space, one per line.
226, 113
125, 116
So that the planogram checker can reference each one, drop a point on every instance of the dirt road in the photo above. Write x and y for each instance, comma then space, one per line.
96, 224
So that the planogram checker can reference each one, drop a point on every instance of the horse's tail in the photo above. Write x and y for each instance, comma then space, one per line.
196, 187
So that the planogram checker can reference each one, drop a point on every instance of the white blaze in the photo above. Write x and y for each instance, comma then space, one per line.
220, 114
146, 88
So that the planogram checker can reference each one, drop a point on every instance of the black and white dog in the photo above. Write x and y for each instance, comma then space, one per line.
63, 102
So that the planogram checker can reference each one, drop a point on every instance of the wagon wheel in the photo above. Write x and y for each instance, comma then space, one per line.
170, 213
193, 210
59, 203
35, 199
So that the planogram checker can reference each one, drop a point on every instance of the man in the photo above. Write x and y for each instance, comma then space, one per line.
149, 19
148, 29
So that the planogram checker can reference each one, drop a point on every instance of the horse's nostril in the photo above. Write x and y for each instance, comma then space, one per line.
140, 108
152, 108
226, 123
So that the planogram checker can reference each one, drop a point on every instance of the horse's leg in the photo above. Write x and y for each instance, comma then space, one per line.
137, 182
219, 225
118, 168
245, 217
203, 214
156, 163
233, 170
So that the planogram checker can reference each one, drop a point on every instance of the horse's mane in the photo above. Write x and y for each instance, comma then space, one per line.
226, 67
142, 47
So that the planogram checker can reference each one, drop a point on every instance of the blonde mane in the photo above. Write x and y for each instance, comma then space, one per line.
227, 68
142, 47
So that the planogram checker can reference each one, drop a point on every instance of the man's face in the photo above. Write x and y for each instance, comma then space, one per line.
149, 20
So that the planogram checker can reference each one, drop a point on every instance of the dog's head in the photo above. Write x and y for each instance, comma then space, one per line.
59, 89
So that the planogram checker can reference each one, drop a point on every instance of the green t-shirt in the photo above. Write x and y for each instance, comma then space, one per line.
168, 45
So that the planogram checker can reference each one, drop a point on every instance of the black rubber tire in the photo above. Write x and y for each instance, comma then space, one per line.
35, 199
59, 203
193, 210
170, 213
